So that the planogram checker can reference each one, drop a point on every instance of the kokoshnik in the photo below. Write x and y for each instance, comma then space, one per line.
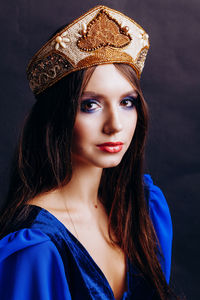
100, 36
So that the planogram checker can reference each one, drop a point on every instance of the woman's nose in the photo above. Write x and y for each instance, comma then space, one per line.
113, 122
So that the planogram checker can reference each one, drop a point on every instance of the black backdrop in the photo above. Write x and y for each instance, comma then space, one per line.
171, 85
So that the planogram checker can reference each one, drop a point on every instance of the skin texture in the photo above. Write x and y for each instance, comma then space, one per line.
110, 118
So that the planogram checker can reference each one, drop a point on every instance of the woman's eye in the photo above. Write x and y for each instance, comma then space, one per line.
89, 106
128, 102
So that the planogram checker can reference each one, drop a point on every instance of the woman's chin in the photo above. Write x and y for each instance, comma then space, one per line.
110, 163
103, 162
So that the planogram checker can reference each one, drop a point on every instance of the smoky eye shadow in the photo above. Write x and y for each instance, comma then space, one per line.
86, 102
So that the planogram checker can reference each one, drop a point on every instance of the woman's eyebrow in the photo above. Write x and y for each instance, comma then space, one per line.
133, 93
91, 94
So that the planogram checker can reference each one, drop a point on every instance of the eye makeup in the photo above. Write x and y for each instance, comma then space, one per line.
89, 105
129, 102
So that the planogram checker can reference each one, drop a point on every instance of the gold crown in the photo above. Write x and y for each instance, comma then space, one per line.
100, 36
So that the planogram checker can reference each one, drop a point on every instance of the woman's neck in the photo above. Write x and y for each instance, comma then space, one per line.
80, 194
82, 190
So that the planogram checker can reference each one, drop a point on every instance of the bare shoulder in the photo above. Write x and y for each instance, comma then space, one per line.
48, 200
53, 203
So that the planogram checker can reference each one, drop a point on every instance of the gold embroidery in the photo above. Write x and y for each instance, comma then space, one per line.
101, 35
103, 31
141, 58
104, 56
45, 72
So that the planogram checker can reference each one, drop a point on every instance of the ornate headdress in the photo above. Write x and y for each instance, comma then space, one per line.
100, 36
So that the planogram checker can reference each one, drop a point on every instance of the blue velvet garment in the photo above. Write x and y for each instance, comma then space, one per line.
42, 260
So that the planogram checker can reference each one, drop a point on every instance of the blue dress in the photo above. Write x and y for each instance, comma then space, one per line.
42, 259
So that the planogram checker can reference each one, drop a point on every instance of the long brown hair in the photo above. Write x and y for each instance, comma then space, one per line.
43, 163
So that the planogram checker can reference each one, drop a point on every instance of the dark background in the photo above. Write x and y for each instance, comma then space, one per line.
171, 85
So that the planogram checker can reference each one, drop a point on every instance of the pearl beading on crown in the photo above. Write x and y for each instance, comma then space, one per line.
102, 35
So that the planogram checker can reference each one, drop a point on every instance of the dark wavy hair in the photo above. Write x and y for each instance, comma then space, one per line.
43, 163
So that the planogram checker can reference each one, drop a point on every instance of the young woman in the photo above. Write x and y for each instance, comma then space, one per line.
82, 221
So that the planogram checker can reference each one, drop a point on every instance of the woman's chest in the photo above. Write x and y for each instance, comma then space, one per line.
109, 258
95, 247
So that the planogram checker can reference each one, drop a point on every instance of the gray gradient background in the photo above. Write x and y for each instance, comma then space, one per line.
171, 85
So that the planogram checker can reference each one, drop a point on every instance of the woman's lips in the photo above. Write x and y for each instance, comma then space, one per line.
111, 147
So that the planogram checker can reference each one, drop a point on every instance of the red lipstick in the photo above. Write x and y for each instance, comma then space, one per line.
111, 147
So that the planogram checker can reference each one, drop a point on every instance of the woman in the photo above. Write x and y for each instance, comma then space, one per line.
81, 220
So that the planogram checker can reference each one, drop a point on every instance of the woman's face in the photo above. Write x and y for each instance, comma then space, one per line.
106, 119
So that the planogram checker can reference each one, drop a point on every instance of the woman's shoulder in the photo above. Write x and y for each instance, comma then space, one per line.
27, 231
22, 240
31, 260
157, 203
161, 218
155, 196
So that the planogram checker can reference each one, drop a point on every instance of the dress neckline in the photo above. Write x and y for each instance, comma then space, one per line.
82, 247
